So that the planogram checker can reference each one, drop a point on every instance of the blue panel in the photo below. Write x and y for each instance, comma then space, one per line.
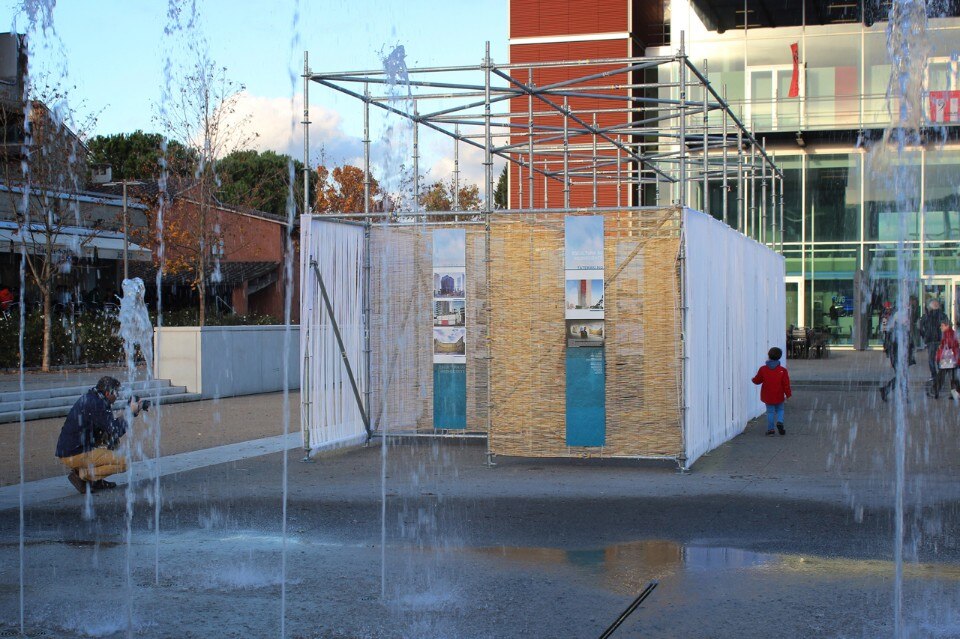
586, 397
450, 396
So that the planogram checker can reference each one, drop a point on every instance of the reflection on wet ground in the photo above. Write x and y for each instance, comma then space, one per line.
629, 566
217, 579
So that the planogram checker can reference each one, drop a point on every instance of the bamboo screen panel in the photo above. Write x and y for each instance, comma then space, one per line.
401, 320
522, 312
642, 325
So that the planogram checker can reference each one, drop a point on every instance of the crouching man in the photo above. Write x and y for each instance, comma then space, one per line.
90, 436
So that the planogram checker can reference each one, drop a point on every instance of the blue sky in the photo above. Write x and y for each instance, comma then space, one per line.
113, 52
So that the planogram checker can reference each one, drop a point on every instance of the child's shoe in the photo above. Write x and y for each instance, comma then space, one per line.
781, 428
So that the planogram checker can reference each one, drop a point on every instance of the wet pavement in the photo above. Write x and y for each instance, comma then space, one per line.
787, 536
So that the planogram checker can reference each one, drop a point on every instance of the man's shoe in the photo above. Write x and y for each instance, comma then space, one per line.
781, 429
771, 432
883, 393
78, 483
103, 484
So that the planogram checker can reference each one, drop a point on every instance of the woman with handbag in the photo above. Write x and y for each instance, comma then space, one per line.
948, 354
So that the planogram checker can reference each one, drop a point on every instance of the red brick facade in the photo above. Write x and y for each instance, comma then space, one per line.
544, 30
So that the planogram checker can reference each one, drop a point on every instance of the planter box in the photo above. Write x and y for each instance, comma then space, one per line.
226, 361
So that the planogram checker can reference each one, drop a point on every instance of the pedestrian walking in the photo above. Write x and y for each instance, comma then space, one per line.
899, 332
930, 332
948, 354
774, 382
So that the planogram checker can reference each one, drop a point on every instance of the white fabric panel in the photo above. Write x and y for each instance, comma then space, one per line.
736, 311
329, 415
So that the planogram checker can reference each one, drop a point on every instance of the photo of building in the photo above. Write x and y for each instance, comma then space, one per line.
584, 295
449, 312
448, 283
449, 341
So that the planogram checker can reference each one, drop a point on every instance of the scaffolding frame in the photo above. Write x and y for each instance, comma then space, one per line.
674, 136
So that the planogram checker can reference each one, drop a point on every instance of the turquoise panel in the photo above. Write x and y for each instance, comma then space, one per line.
450, 396
586, 397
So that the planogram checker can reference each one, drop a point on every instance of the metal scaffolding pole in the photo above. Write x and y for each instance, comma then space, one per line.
594, 162
781, 214
366, 147
619, 183
530, 136
546, 187
763, 196
456, 169
520, 185
306, 397
706, 143
306, 134
753, 192
416, 158
741, 221
487, 141
566, 154
723, 190
682, 184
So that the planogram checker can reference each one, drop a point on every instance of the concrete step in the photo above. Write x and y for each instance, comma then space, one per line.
74, 390
69, 399
62, 410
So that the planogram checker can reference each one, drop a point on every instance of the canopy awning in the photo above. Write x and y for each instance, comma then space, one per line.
105, 245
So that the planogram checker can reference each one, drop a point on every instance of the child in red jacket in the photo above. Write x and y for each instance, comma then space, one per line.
774, 389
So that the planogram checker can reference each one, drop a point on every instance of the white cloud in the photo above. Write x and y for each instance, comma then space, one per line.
276, 121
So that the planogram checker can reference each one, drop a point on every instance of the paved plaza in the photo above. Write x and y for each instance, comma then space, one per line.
793, 533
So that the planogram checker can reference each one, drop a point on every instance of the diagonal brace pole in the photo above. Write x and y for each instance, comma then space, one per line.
629, 611
343, 351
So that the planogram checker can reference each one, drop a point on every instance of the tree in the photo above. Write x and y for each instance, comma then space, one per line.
260, 181
46, 183
342, 190
202, 114
439, 197
500, 195
137, 155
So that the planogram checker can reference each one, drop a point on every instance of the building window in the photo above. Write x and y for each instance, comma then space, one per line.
833, 197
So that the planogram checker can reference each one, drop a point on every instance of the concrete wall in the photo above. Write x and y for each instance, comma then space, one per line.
225, 361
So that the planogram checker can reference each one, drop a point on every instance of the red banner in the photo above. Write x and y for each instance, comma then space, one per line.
795, 80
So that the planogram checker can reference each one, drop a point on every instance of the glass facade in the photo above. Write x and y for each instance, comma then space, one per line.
842, 213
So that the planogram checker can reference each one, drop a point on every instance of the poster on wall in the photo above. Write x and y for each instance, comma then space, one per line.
583, 267
449, 329
584, 331
449, 296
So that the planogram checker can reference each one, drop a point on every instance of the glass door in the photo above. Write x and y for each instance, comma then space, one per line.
795, 301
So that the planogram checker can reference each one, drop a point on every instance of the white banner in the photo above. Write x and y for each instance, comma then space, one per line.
329, 414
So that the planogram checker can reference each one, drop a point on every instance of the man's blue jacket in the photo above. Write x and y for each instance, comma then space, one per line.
90, 423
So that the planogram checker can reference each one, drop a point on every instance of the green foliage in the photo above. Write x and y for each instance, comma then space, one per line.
62, 347
500, 195
136, 156
191, 317
259, 181
91, 337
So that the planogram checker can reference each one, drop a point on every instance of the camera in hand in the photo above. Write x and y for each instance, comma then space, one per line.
144, 404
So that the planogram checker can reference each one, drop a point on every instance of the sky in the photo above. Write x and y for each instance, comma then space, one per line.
112, 54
